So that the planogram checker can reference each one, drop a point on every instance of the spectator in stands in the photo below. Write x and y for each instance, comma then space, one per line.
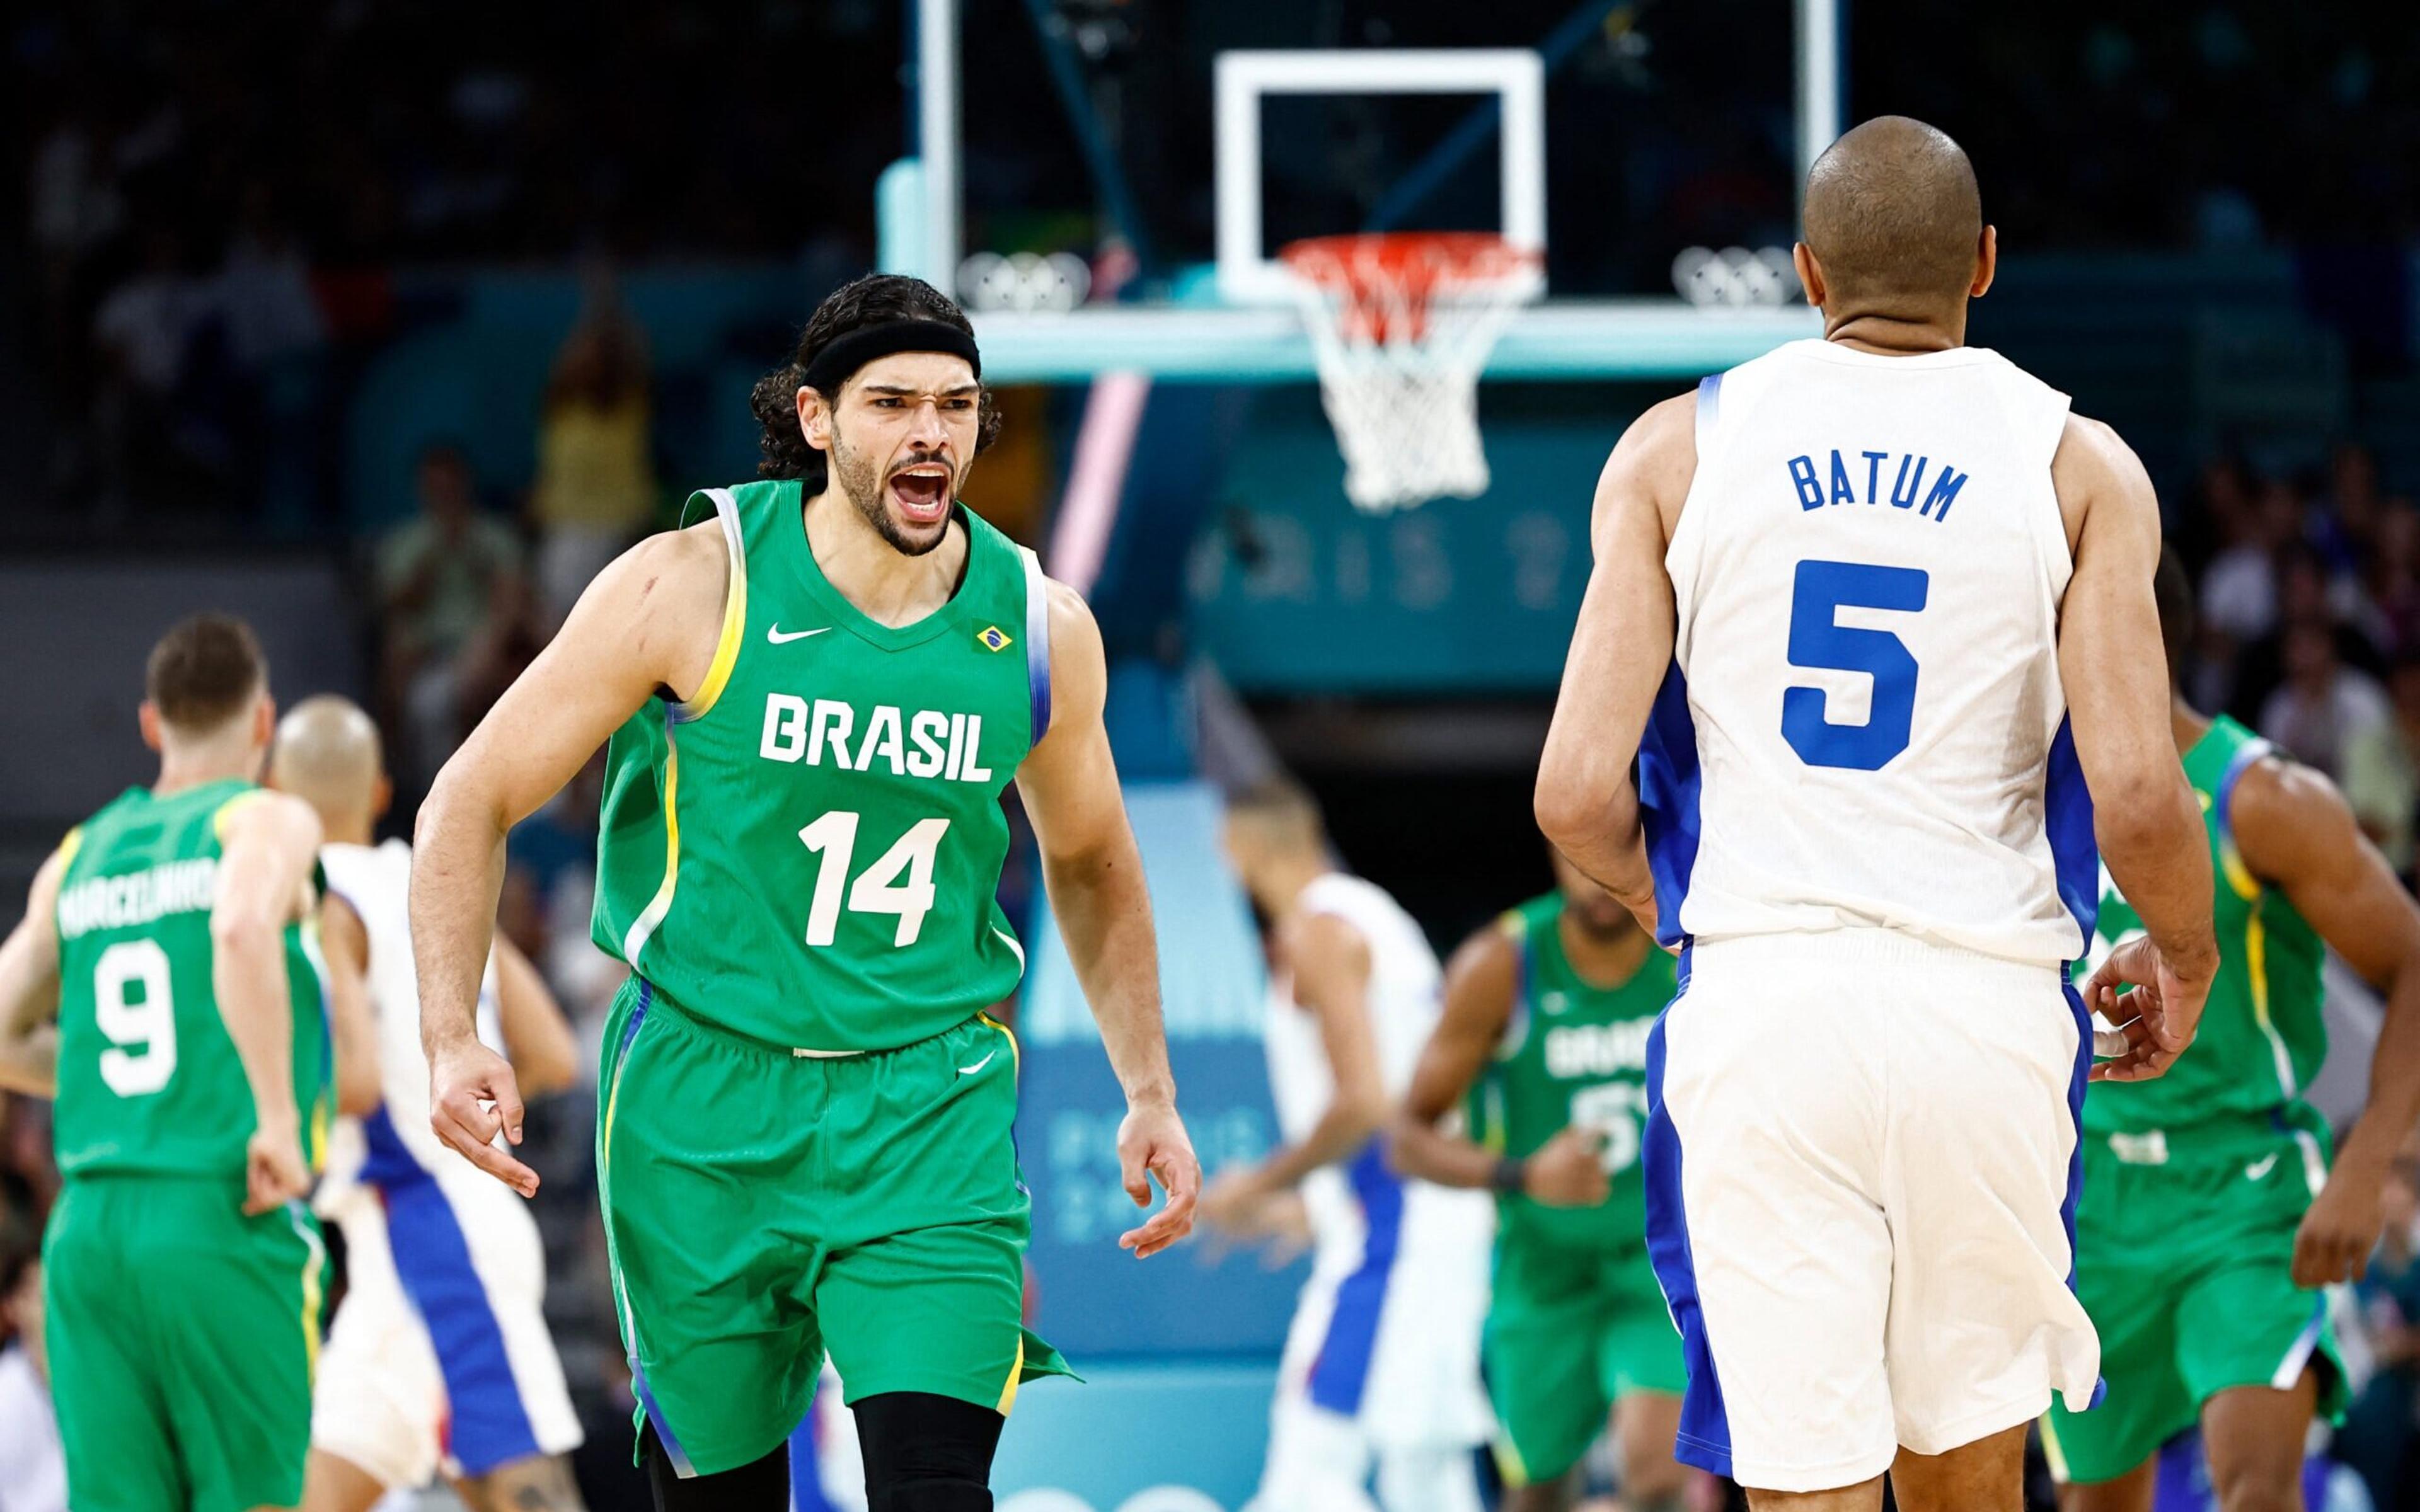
2239, 589
2323, 707
595, 484
2381, 768
2390, 566
33, 1471
2349, 522
450, 584
142, 334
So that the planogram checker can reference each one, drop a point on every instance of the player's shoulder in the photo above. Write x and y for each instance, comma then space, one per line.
2277, 800
267, 812
1490, 959
2090, 452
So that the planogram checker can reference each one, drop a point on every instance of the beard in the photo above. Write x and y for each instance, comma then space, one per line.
862, 482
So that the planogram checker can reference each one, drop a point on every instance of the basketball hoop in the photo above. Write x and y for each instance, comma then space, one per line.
1402, 324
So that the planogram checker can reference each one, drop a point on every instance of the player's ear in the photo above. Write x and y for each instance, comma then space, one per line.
148, 717
382, 797
1987, 262
264, 722
815, 419
1810, 272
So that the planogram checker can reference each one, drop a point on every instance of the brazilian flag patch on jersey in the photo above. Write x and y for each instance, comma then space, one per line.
992, 637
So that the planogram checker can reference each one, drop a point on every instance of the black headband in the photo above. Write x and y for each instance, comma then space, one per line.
834, 365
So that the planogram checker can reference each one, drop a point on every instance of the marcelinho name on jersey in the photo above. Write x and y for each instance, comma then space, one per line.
1906, 476
926, 743
1597, 1049
139, 897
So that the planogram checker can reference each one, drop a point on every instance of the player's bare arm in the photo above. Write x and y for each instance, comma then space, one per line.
345, 945
1480, 984
538, 1036
29, 988
2295, 831
1095, 876
2145, 818
269, 842
1329, 964
1587, 799
650, 621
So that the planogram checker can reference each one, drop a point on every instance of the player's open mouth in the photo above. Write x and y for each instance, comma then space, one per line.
921, 491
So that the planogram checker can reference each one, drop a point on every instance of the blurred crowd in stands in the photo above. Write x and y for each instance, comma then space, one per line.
2308, 587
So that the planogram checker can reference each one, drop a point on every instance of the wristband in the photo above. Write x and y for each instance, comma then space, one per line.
1506, 1176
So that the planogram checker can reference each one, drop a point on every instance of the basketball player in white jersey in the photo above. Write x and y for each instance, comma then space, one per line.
1381, 1365
439, 1356
1873, 613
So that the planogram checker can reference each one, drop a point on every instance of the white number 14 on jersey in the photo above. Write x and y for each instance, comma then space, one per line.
877, 890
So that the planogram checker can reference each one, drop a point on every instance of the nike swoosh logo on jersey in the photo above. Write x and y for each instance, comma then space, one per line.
968, 1071
2260, 1168
773, 633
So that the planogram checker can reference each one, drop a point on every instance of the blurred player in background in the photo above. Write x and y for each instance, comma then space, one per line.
2210, 1216
815, 698
1382, 1360
175, 934
32, 1472
440, 1355
1871, 612
1544, 1036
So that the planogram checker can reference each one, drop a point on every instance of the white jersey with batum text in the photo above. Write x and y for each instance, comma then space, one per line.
1863, 724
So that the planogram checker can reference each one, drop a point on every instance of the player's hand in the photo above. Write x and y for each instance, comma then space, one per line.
2155, 1019
275, 1173
1567, 1171
1151, 1142
473, 1096
2337, 1234
1237, 1204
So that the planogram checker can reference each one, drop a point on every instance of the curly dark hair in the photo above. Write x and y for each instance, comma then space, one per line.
875, 300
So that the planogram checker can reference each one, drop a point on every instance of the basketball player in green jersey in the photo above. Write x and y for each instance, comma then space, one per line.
2209, 1215
1544, 1035
815, 696
174, 934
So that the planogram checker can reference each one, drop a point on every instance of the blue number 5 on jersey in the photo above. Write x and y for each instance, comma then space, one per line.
1817, 638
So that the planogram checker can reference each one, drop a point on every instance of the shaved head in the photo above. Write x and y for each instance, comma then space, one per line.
327, 754
1894, 219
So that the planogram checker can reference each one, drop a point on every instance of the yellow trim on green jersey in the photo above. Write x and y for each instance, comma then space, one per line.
1016, 1372
227, 810
70, 844
644, 927
1015, 1054
315, 1257
735, 613
2052, 1452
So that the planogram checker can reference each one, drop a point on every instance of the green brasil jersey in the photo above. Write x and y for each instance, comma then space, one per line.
807, 852
2262, 1035
1572, 1053
148, 1079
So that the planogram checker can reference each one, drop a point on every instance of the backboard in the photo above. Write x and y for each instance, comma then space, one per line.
1173, 147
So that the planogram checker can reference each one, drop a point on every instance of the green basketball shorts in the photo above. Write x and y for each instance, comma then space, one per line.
762, 1208
1569, 1332
182, 1339
2184, 1258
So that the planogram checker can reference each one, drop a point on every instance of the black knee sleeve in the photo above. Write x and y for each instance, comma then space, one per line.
759, 1486
925, 1453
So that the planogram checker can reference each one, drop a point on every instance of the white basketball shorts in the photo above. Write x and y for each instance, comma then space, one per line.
1385, 1340
439, 1354
1861, 1165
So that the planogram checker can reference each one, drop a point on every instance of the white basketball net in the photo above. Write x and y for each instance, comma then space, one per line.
1402, 327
